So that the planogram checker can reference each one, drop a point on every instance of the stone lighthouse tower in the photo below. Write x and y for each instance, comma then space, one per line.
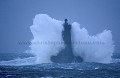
66, 55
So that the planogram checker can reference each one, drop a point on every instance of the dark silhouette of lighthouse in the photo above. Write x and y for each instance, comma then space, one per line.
66, 55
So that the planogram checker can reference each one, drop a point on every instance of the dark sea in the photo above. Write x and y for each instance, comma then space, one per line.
15, 69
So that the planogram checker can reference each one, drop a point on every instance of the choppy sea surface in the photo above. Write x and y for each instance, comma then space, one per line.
56, 70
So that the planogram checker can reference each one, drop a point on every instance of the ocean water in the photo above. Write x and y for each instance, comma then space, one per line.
57, 70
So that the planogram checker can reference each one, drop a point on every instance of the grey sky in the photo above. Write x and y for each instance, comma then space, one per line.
95, 15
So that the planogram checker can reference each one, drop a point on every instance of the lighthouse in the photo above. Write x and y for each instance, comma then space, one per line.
66, 55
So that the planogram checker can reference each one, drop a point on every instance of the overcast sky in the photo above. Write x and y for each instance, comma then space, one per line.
16, 16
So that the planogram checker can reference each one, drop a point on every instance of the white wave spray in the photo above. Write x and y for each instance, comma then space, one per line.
45, 28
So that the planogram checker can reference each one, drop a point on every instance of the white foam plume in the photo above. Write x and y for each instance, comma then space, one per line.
46, 31
97, 48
